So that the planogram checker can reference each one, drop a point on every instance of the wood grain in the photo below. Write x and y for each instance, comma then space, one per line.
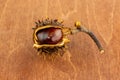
82, 61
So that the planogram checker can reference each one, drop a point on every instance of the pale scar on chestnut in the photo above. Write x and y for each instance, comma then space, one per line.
50, 36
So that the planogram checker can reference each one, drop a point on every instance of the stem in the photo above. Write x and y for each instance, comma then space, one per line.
85, 30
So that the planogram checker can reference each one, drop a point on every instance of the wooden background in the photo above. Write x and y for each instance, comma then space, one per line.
82, 61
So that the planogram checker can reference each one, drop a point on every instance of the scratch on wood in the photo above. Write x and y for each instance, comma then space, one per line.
112, 16
107, 40
74, 68
65, 16
93, 3
14, 49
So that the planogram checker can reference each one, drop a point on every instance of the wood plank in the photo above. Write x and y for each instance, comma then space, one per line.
82, 61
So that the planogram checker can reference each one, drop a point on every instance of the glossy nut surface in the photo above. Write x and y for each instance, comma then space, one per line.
50, 35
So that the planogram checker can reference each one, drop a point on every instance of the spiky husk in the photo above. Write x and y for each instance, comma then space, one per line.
48, 50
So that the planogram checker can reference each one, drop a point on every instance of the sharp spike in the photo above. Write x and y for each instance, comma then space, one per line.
39, 21
36, 23
55, 20
33, 28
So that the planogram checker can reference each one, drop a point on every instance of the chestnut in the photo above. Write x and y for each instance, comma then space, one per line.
50, 35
